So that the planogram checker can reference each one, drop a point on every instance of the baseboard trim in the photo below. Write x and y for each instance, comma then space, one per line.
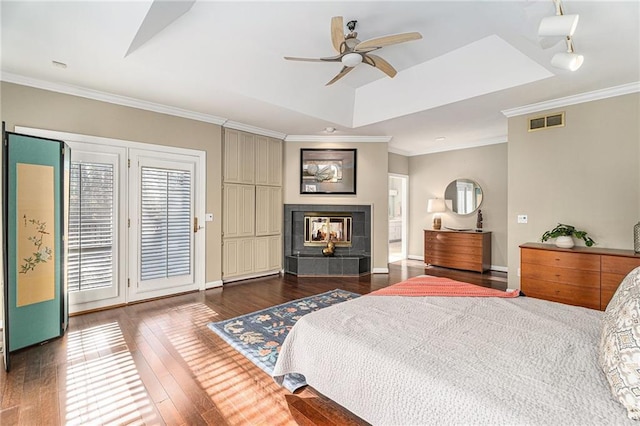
380, 270
250, 276
499, 268
415, 257
213, 284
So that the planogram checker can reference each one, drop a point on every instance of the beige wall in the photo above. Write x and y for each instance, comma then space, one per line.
371, 187
26, 106
398, 164
586, 174
430, 174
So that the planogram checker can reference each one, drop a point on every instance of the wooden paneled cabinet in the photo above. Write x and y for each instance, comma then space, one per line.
459, 250
252, 205
268, 161
239, 206
239, 157
580, 276
268, 210
252, 159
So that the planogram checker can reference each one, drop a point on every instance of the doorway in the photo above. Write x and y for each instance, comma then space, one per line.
398, 187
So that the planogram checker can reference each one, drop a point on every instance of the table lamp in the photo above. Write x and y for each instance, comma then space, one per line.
436, 206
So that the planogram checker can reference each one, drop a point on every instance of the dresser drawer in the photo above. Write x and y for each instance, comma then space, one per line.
561, 292
456, 239
450, 258
466, 264
440, 249
619, 264
588, 262
577, 277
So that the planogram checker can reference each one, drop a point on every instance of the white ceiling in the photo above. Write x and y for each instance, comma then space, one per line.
225, 59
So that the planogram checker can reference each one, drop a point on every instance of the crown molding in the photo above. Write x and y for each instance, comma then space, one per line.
337, 138
82, 92
610, 92
398, 151
255, 130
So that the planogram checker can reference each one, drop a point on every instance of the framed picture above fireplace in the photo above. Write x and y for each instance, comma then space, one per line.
328, 171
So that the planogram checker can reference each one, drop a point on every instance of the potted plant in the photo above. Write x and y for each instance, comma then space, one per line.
564, 236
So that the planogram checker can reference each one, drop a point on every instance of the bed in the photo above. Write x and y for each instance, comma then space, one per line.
432, 360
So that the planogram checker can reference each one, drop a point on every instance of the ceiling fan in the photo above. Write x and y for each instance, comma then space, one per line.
352, 52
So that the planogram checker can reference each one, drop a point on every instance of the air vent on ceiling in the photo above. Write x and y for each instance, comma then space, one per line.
546, 122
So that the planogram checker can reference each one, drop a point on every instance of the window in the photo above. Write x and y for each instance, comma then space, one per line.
165, 223
91, 226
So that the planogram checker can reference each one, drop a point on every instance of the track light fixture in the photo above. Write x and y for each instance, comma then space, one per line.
559, 25
564, 26
568, 60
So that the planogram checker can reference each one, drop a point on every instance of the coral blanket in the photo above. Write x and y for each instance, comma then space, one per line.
427, 285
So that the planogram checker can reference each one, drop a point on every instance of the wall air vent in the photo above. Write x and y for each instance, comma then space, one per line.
546, 122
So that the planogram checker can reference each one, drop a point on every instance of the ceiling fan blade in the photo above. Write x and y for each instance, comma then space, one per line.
344, 71
337, 32
377, 43
329, 59
377, 62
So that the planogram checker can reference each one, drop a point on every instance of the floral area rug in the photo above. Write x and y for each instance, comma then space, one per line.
259, 335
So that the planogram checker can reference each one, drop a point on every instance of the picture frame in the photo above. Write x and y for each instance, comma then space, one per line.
328, 171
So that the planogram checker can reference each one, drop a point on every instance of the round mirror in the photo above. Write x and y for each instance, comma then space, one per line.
463, 196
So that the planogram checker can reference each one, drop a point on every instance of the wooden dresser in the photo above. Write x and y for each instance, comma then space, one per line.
470, 251
582, 276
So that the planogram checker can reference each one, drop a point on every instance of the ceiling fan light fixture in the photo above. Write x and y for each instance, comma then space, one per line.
351, 59
567, 61
558, 25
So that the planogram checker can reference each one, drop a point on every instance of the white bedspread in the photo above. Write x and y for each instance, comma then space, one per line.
452, 360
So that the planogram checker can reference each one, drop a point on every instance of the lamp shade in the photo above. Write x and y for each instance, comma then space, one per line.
558, 25
567, 61
436, 205
351, 59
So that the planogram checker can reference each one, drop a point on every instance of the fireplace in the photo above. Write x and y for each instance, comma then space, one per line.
320, 228
308, 229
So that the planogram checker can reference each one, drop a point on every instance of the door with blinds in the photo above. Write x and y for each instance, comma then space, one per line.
163, 224
97, 234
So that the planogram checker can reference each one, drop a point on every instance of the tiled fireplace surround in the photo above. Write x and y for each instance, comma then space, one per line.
308, 260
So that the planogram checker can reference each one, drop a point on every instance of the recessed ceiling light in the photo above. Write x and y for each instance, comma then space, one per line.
329, 129
440, 139
59, 64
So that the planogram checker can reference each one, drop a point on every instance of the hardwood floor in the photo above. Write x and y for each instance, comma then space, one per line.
158, 363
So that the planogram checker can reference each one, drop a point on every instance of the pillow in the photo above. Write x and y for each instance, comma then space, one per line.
619, 349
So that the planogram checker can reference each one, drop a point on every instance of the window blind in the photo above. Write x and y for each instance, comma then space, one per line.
91, 226
165, 223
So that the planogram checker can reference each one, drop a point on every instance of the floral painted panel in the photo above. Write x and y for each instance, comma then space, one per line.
35, 234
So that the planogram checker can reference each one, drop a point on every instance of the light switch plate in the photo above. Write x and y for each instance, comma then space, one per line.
522, 218
208, 217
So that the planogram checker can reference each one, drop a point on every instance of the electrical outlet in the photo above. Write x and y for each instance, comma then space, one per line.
522, 218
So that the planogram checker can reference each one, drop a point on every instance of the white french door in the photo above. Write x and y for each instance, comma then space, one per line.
132, 235
164, 228
96, 266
